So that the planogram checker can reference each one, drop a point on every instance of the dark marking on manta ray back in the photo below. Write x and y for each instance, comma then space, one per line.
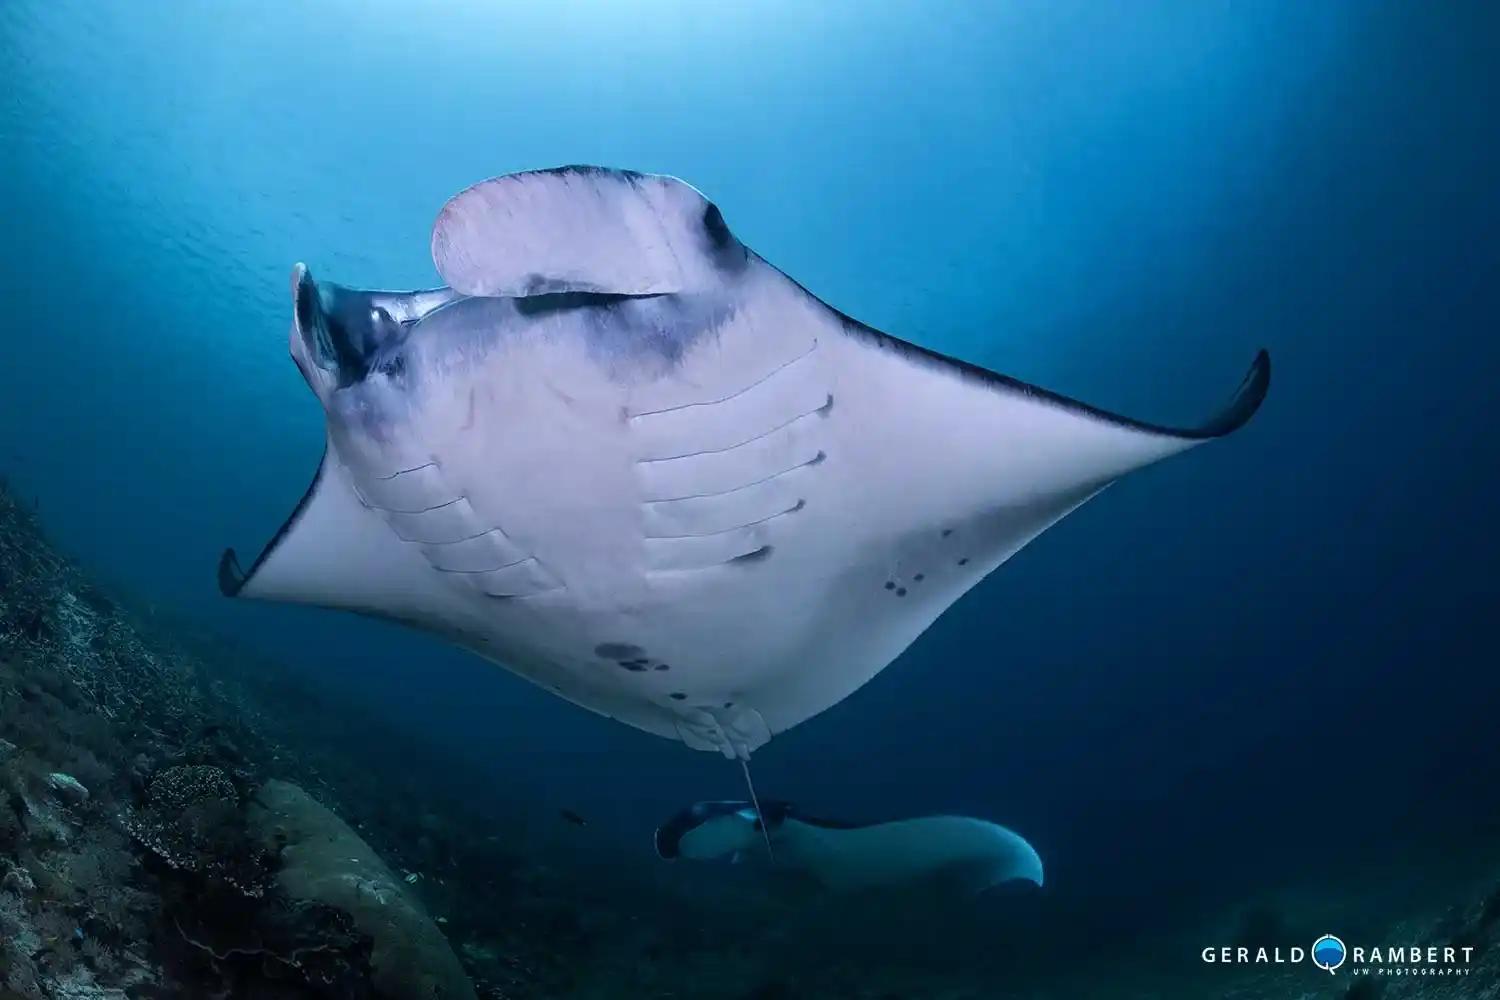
539, 284
546, 303
829, 824
727, 253
719, 236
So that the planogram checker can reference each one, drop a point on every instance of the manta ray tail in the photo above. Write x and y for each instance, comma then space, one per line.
760, 816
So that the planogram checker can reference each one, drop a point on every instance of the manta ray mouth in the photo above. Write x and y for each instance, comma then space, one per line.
345, 332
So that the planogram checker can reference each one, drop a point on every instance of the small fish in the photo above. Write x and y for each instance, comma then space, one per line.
572, 817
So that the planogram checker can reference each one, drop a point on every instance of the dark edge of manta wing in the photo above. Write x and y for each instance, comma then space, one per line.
824, 823
1234, 415
668, 837
232, 579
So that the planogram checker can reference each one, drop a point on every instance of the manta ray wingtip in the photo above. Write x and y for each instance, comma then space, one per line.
1246, 402
1260, 371
231, 577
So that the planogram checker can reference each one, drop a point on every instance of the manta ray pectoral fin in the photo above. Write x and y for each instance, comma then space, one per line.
581, 229
333, 552
1053, 444
948, 470
983, 447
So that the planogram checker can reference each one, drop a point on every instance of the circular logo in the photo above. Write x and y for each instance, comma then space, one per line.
1328, 953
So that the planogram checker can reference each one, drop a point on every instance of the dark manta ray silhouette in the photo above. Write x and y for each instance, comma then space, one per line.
966, 854
623, 456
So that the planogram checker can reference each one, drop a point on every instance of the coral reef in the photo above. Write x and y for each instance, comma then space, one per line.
128, 870
323, 861
193, 821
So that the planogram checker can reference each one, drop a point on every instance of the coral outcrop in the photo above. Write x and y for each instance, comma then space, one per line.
321, 860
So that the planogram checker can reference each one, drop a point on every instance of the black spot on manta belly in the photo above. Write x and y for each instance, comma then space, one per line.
677, 696
759, 554
628, 656
900, 591
964, 561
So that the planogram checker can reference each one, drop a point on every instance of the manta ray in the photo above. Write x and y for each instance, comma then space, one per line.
958, 852
623, 456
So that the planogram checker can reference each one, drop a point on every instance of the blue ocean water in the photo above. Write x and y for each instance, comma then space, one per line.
1259, 658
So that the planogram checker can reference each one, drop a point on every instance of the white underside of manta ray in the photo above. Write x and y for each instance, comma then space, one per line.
624, 457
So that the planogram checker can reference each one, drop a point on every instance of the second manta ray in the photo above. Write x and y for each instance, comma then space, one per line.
959, 852
623, 456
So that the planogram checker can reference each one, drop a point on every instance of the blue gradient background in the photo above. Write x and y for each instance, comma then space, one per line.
1229, 667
